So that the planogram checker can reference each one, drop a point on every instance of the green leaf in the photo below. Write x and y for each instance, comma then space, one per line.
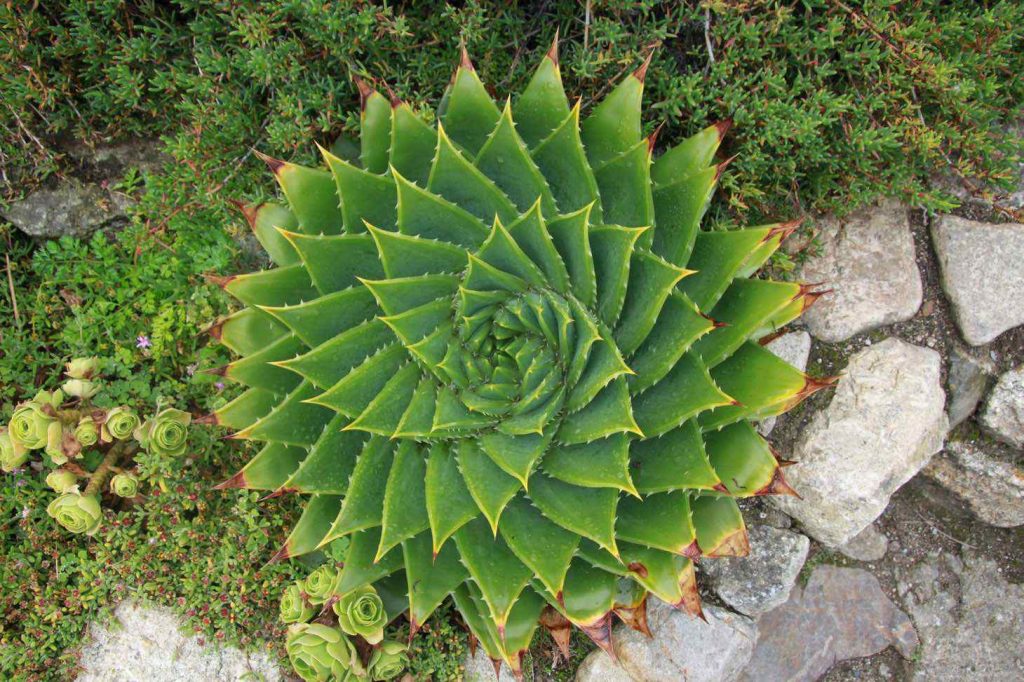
405, 503
719, 525
599, 464
613, 250
459, 181
360, 568
717, 258
311, 196
332, 360
424, 214
409, 256
470, 114
614, 125
561, 159
265, 219
337, 262
268, 469
449, 503
364, 503
490, 487
678, 326
609, 412
292, 421
589, 593
625, 185
532, 236
412, 145
686, 391
651, 281
256, 371
248, 331
500, 576
279, 286
741, 458
501, 251
430, 578
542, 106
312, 525
365, 196
374, 129
744, 308
690, 156
327, 467
505, 160
321, 319
247, 408
661, 521
571, 236
673, 461
679, 208
353, 393
546, 548
385, 411
396, 296
589, 512
516, 455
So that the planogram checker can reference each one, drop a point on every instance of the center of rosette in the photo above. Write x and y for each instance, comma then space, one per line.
510, 360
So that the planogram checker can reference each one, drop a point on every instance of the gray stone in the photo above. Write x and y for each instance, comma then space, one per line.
112, 159
1003, 415
794, 348
868, 545
841, 614
968, 378
72, 208
146, 643
885, 421
993, 489
868, 260
969, 617
480, 668
760, 581
982, 267
683, 648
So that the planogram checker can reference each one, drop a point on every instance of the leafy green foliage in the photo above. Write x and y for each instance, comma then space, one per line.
834, 103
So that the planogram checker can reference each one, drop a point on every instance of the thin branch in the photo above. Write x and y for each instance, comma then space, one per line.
10, 284
707, 39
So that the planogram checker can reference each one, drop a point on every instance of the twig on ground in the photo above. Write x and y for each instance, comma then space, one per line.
10, 285
707, 39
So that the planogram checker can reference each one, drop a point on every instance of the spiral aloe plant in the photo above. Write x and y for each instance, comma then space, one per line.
500, 356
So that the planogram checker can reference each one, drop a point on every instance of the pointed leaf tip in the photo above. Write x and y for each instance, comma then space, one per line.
250, 211
552, 52
280, 555
723, 127
652, 139
365, 90
464, 61
692, 551
783, 230
221, 281
275, 165
779, 486
600, 633
720, 168
641, 72
236, 481
207, 420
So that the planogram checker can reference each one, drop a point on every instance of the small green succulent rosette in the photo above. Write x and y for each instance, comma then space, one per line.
119, 424
61, 480
80, 388
77, 513
32, 423
295, 608
319, 653
361, 612
82, 368
87, 432
12, 453
166, 433
322, 584
388, 661
124, 485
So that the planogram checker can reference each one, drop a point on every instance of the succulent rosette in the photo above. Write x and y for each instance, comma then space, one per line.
82, 368
361, 612
76, 512
295, 608
322, 584
388, 661
87, 432
80, 388
12, 453
124, 485
504, 360
320, 653
61, 480
34, 424
119, 424
166, 433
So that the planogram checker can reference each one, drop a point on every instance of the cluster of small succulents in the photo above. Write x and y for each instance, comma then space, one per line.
85, 447
346, 639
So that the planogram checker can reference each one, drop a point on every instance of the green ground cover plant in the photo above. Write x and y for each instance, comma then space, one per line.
834, 104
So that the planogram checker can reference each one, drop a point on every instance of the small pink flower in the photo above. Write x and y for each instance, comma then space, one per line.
143, 342
219, 385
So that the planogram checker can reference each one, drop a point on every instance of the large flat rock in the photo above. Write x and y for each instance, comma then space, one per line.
760, 581
146, 644
683, 648
982, 268
969, 617
868, 261
841, 614
885, 421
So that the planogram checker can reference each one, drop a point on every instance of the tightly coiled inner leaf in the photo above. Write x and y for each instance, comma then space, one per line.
501, 357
